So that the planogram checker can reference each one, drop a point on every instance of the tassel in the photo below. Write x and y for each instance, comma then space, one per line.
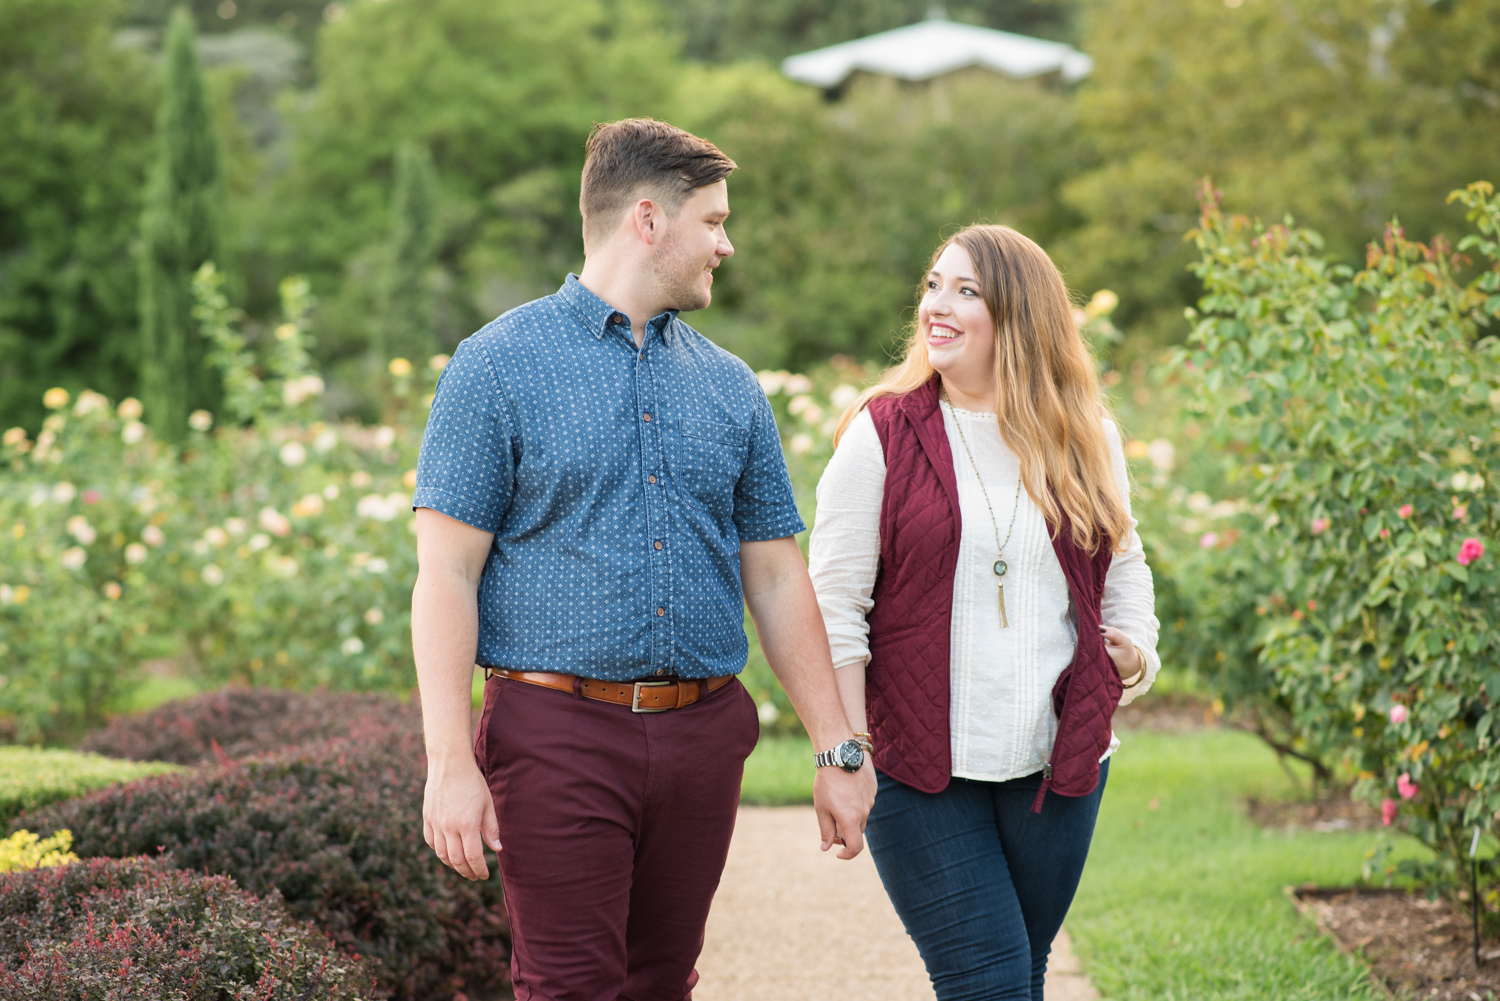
1004, 622
1036, 804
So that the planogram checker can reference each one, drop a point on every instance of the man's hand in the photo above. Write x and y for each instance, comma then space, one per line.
458, 819
842, 801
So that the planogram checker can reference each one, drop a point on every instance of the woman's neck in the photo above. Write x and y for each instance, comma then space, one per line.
980, 399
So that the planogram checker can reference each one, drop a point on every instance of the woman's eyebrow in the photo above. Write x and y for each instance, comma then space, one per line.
961, 278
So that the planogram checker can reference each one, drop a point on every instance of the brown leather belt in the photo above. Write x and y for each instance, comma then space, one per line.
640, 696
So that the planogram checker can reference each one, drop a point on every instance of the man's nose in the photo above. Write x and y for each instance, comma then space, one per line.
725, 248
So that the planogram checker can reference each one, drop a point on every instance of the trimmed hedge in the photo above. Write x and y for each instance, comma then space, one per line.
246, 721
31, 777
140, 929
336, 829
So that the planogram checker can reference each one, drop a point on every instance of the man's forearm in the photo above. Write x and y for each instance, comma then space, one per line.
445, 635
796, 646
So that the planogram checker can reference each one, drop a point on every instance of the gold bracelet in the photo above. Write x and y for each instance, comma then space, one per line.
864, 742
1140, 675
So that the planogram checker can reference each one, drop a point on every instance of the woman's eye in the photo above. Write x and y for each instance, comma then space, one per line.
932, 286
970, 292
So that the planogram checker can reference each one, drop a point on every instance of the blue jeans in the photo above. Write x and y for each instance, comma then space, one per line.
982, 883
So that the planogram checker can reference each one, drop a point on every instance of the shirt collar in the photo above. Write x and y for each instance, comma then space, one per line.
597, 314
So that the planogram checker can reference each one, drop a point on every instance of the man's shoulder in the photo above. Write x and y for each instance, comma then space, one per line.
513, 339
526, 323
721, 363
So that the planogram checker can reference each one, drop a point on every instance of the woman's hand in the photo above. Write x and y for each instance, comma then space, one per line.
1128, 660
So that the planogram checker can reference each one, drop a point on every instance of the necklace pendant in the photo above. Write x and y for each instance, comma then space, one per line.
1000, 568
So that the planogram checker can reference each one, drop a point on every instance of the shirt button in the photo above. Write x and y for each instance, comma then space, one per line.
660, 671
658, 543
651, 478
646, 418
661, 611
617, 318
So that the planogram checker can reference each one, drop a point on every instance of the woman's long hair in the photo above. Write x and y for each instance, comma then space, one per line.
1048, 403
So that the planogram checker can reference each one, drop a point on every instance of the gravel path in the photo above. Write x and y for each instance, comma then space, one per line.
792, 923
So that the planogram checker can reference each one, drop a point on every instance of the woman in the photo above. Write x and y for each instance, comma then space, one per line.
988, 605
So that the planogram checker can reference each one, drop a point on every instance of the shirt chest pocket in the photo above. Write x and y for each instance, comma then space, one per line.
710, 459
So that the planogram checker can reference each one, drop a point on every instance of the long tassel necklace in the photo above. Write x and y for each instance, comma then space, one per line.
1000, 566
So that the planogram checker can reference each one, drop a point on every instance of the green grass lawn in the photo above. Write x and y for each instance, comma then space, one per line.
31, 777
1185, 902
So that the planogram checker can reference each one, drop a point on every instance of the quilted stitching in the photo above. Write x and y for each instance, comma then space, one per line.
907, 681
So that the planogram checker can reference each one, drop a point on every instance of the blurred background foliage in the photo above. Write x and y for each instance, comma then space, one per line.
1339, 111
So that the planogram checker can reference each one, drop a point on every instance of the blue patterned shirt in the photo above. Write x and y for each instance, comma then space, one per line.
619, 484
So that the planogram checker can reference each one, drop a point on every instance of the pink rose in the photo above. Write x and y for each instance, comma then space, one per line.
1461, 512
1385, 533
1405, 786
1388, 811
1470, 551
1398, 714
1319, 526
1208, 540
1404, 511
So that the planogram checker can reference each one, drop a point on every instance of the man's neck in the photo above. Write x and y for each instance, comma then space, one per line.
625, 288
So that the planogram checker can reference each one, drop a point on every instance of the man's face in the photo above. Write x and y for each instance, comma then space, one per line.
693, 243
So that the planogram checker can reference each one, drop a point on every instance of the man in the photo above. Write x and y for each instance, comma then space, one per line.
599, 490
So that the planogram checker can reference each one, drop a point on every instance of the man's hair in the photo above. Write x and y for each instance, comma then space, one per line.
643, 157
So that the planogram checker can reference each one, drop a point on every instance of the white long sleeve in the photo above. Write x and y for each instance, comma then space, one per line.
1001, 718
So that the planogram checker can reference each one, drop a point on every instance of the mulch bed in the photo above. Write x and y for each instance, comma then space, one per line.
1418, 948
1167, 713
1335, 812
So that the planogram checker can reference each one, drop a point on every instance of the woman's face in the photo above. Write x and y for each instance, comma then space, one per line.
955, 322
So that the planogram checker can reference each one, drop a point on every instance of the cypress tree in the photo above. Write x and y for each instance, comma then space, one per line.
180, 230
408, 327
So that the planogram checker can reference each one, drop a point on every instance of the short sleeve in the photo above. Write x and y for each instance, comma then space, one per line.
764, 505
466, 469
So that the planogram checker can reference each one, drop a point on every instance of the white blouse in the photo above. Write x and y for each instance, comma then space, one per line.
1001, 717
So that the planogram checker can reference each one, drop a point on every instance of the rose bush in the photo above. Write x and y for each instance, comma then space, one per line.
1359, 411
272, 548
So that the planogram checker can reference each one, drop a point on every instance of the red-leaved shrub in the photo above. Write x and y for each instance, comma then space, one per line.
136, 928
336, 828
246, 721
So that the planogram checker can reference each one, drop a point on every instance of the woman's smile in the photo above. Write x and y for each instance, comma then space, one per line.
940, 334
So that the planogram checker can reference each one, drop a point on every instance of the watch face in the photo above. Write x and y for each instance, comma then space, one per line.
851, 756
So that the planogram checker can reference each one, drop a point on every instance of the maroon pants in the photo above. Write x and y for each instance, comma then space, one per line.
614, 828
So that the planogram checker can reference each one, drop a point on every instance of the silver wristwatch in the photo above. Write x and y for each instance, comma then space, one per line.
849, 756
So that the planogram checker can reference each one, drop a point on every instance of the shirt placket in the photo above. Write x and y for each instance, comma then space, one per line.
654, 485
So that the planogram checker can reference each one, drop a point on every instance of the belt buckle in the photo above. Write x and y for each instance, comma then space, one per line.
635, 698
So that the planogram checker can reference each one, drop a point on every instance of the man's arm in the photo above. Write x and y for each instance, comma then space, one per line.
458, 814
780, 597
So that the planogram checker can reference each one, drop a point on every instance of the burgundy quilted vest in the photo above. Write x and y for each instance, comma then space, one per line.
906, 683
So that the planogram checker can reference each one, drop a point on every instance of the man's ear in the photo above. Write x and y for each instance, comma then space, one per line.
646, 215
